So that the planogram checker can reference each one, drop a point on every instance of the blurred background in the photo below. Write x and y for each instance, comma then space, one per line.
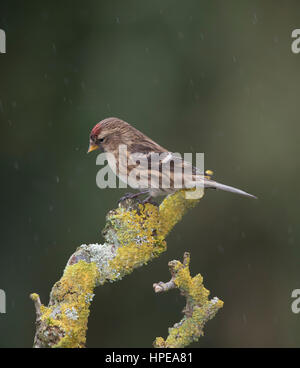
196, 76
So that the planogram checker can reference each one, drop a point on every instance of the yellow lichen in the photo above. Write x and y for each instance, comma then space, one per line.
199, 309
172, 210
139, 236
34, 297
74, 293
190, 329
192, 286
142, 232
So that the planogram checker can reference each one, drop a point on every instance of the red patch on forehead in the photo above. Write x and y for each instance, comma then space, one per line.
96, 129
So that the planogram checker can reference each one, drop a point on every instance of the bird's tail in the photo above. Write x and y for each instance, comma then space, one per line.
208, 183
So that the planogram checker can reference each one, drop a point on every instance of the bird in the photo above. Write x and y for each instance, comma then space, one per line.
112, 133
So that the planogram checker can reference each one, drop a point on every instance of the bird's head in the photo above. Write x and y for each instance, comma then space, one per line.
109, 134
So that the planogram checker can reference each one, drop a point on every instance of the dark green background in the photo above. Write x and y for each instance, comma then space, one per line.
197, 76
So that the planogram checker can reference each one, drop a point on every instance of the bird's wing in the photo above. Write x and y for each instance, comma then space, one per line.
184, 175
167, 170
145, 146
163, 170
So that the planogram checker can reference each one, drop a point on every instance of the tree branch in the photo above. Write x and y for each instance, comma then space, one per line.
134, 235
198, 309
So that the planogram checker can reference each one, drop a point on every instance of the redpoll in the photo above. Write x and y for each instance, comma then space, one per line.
145, 165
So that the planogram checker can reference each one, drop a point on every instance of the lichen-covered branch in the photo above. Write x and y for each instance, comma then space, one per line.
134, 235
198, 310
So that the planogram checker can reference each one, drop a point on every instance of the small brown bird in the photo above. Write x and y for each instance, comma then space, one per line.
112, 133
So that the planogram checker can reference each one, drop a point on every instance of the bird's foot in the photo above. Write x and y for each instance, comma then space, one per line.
132, 196
150, 200
128, 196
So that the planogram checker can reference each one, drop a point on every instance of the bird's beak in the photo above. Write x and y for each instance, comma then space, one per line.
92, 147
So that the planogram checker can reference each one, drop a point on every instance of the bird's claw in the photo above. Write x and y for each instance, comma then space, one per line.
126, 196
149, 200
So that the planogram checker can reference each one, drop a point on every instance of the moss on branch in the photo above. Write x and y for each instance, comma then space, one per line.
64, 322
134, 235
198, 310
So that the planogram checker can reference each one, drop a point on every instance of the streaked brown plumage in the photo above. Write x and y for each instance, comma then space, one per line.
111, 133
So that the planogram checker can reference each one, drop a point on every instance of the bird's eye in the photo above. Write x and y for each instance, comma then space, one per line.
100, 140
